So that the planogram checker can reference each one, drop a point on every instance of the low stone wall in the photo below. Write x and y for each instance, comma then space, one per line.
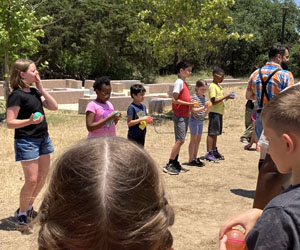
62, 83
65, 96
158, 87
125, 83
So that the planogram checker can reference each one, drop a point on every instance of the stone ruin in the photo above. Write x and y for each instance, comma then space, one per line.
158, 95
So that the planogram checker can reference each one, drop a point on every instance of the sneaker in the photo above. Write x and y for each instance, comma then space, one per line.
180, 168
196, 163
244, 140
217, 155
210, 156
22, 220
200, 163
32, 213
171, 169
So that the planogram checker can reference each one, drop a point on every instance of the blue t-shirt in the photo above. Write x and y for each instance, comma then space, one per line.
135, 112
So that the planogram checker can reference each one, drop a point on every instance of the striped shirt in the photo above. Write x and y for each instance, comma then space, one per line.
277, 83
202, 100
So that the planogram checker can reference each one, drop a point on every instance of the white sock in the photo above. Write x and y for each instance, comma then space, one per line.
29, 208
22, 213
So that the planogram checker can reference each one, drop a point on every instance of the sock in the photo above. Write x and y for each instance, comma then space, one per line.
29, 208
22, 213
172, 161
176, 158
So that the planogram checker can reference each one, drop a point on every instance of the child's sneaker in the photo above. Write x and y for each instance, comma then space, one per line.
200, 163
32, 213
171, 169
210, 156
196, 162
180, 168
217, 155
21, 219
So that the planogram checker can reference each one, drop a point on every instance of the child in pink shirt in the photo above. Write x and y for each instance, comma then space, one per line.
100, 116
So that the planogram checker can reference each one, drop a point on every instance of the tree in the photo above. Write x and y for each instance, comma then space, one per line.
180, 28
19, 30
239, 57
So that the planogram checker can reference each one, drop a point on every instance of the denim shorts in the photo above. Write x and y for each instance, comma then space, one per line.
258, 126
180, 127
196, 126
28, 149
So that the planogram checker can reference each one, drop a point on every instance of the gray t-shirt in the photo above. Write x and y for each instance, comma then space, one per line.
279, 226
202, 100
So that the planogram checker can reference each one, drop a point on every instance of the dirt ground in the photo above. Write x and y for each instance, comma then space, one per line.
203, 198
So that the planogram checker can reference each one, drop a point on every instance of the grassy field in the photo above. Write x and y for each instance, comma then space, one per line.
203, 198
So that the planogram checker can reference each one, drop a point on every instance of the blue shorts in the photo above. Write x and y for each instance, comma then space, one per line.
258, 126
28, 149
196, 126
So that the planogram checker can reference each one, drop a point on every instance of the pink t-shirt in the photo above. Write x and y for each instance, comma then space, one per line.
101, 111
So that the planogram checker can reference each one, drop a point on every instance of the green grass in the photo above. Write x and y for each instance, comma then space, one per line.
63, 116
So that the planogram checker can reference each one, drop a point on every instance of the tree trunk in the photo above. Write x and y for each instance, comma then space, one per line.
6, 59
6, 72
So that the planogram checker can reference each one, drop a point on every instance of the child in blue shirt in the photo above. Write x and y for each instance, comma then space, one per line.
137, 117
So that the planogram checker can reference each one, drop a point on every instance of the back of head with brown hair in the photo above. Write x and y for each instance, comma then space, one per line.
20, 65
282, 113
200, 83
105, 193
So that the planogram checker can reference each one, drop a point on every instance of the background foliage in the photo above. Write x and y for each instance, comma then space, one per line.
141, 39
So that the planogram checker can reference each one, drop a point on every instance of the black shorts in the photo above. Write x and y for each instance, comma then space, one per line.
215, 124
139, 141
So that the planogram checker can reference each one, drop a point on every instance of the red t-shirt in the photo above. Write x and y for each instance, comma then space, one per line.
184, 95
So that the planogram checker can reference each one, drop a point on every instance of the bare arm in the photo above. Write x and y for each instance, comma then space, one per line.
175, 100
131, 122
48, 101
218, 100
91, 125
12, 121
250, 95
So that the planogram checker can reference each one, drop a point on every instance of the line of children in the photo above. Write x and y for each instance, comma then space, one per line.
33, 145
278, 225
215, 125
196, 122
101, 117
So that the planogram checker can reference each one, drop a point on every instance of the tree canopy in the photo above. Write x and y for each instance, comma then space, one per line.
141, 38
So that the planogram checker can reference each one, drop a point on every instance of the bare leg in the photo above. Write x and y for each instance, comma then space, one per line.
211, 142
194, 146
198, 140
269, 183
176, 149
30, 169
43, 169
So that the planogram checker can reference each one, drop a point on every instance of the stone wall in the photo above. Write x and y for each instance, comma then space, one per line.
62, 83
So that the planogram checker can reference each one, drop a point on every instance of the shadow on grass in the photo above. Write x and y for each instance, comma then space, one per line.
244, 193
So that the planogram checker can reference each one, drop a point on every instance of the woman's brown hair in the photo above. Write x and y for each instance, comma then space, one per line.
20, 65
105, 193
